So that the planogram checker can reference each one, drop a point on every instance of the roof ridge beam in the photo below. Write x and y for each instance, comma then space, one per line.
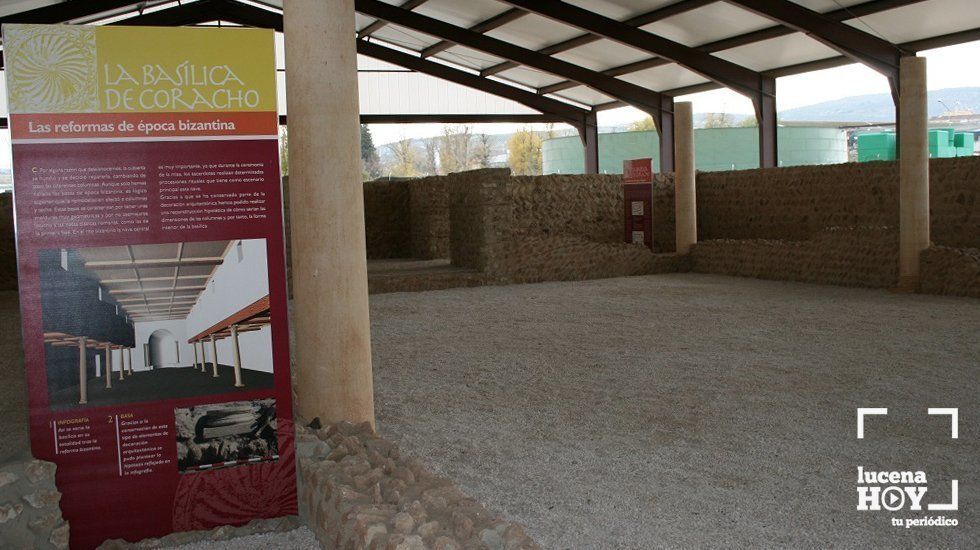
730, 75
645, 18
877, 53
642, 98
486, 25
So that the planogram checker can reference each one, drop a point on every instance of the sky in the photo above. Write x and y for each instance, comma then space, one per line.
945, 69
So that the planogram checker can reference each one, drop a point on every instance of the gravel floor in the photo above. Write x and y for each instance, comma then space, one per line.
684, 410
667, 411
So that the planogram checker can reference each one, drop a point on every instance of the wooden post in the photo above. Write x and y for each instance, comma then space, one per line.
214, 354
122, 364
82, 372
108, 366
238, 357
194, 345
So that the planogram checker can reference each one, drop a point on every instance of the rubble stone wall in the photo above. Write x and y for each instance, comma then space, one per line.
950, 271
544, 228
387, 220
866, 257
30, 514
356, 490
798, 203
429, 218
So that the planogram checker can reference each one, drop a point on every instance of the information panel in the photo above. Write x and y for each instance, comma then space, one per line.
152, 274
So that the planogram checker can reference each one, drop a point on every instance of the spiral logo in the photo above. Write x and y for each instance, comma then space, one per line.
52, 69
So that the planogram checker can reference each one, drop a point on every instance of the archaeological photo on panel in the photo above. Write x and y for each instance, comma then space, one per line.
145, 322
226, 434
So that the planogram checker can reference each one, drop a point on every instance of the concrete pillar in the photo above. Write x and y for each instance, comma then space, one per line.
214, 356
108, 367
82, 372
685, 203
237, 356
333, 332
204, 357
914, 171
129, 360
146, 356
177, 348
194, 345
122, 365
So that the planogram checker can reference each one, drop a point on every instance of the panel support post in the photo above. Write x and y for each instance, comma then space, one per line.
237, 356
108, 367
82, 372
913, 171
590, 142
214, 357
768, 128
666, 128
333, 330
685, 203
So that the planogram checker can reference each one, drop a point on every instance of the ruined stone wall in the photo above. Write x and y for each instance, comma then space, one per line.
30, 514
800, 202
356, 490
546, 228
950, 271
587, 206
387, 220
429, 218
863, 256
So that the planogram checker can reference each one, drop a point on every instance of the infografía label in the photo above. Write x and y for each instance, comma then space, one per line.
152, 274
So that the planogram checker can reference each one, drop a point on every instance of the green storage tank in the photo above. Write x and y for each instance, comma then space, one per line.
716, 149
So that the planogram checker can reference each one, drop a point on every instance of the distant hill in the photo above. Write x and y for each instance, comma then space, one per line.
880, 108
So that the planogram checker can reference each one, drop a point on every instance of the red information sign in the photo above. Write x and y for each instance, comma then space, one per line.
151, 271
638, 170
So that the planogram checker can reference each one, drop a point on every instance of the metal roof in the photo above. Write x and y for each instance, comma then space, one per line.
695, 35
569, 59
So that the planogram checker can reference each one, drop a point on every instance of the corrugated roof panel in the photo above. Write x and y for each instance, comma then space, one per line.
778, 52
602, 55
823, 6
461, 14
467, 57
404, 37
534, 32
922, 20
583, 95
621, 9
707, 24
663, 78
17, 6
530, 77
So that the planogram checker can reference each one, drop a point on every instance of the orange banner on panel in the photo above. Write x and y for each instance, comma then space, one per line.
141, 126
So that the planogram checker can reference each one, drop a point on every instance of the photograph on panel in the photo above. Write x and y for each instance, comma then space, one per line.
147, 322
225, 434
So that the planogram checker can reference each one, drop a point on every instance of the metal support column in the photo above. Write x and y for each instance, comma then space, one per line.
765, 111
